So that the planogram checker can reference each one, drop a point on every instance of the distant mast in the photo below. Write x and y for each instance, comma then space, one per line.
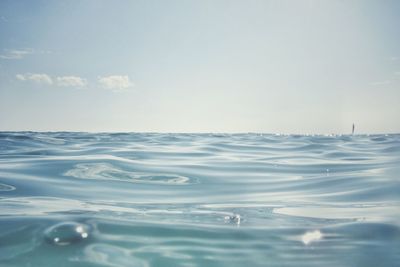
352, 130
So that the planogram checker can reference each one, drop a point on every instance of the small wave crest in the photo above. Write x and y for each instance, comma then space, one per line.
6, 187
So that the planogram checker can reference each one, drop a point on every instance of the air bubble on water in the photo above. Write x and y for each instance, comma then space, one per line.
66, 233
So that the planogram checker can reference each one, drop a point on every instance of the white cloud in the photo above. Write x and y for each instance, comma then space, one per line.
20, 77
15, 53
112, 82
71, 81
116, 82
36, 77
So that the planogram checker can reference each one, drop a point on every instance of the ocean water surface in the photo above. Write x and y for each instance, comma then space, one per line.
149, 199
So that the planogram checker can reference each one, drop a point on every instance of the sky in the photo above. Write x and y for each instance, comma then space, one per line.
200, 66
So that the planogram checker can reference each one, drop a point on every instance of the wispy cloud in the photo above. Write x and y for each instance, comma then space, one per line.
71, 81
381, 82
20, 53
16, 53
116, 82
35, 77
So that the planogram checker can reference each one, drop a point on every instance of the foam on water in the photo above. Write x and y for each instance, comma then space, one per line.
149, 199
109, 172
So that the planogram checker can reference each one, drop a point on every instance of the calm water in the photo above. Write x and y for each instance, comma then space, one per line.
80, 199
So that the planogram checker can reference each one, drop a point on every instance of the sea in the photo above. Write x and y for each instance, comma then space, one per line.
199, 200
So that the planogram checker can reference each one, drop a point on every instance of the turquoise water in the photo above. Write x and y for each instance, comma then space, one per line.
148, 199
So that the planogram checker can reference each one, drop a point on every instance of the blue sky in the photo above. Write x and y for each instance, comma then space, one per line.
200, 66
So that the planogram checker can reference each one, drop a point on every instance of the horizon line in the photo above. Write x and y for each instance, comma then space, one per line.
198, 132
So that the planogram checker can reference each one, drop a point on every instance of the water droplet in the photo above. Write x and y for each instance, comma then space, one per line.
235, 218
66, 233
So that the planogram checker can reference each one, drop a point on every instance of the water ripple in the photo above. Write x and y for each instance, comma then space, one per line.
153, 199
